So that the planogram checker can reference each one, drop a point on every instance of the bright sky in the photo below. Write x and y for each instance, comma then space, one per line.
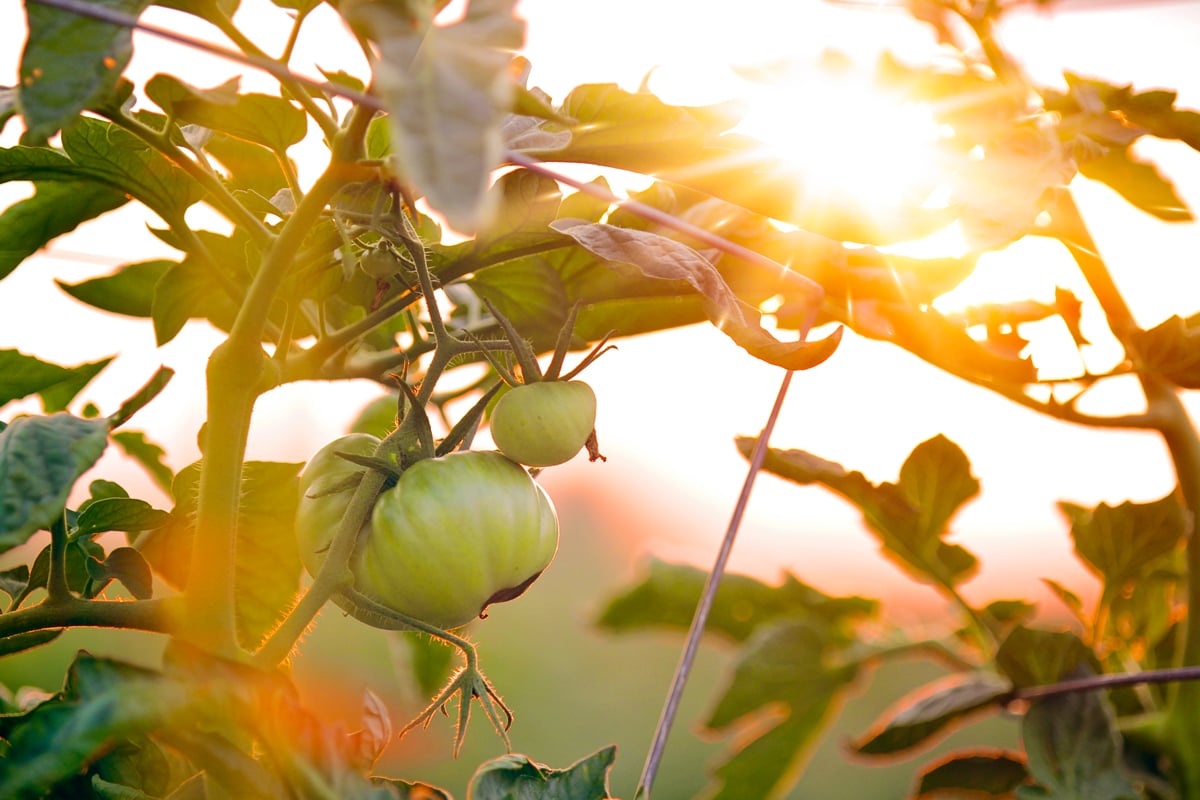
671, 403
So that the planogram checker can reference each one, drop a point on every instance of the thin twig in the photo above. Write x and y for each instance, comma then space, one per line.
654, 757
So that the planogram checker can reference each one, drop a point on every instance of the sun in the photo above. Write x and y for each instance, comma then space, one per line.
846, 140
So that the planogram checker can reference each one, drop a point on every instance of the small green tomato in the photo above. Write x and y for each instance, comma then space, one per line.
545, 423
326, 486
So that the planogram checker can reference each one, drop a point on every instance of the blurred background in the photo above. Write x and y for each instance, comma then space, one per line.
671, 403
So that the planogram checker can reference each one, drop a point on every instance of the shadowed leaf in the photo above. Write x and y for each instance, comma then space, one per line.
932, 711
514, 775
1033, 657
988, 773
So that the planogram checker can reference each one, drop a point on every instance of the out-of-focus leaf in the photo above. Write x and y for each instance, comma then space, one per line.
910, 517
128, 291
514, 775
22, 375
428, 660
14, 580
407, 790
251, 167
782, 663
660, 258
19, 643
263, 119
8, 105
212, 10
70, 62
931, 711
668, 594
56, 208
40, 460
1068, 598
1033, 657
448, 89
964, 774
268, 563
1073, 750
148, 454
140, 764
1139, 182
1172, 349
1120, 543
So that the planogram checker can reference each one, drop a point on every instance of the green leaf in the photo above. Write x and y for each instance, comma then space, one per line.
1032, 657
1172, 349
118, 514
106, 790
139, 764
127, 566
259, 118
189, 290
995, 774
55, 208
660, 258
1073, 750
429, 660
448, 89
782, 664
104, 702
8, 105
14, 580
40, 460
128, 291
22, 375
142, 397
1139, 182
70, 62
513, 776
19, 643
1120, 544
148, 454
668, 594
215, 11
117, 158
268, 563
932, 711
910, 517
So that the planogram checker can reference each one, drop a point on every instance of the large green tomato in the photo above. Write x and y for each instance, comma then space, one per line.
546, 423
326, 486
455, 535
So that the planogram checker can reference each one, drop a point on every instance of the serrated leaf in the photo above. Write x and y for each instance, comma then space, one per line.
1119, 544
931, 711
910, 517
40, 460
22, 375
447, 89
259, 118
148, 454
268, 562
70, 62
783, 663
118, 514
1172, 349
985, 772
1033, 657
515, 775
55, 208
1139, 182
668, 594
660, 258
1073, 750
128, 291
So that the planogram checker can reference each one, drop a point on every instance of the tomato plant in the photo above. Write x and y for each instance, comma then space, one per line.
349, 275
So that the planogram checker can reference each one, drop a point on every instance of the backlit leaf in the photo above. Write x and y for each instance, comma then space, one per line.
1172, 349
56, 208
514, 775
1073, 750
1033, 657
1139, 182
40, 460
263, 119
128, 291
932, 711
127, 566
70, 62
22, 375
1119, 543
660, 258
985, 772
148, 454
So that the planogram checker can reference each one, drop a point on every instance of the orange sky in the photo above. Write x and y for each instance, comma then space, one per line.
670, 404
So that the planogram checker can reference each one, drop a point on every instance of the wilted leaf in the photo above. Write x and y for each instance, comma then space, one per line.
70, 62
22, 375
660, 258
40, 460
515, 775
931, 711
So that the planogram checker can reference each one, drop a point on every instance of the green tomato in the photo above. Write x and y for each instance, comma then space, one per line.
543, 424
455, 535
326, 486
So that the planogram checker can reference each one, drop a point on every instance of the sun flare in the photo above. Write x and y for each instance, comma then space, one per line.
847, 140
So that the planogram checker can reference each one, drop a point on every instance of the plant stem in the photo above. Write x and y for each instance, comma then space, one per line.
57, 590
144, 615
